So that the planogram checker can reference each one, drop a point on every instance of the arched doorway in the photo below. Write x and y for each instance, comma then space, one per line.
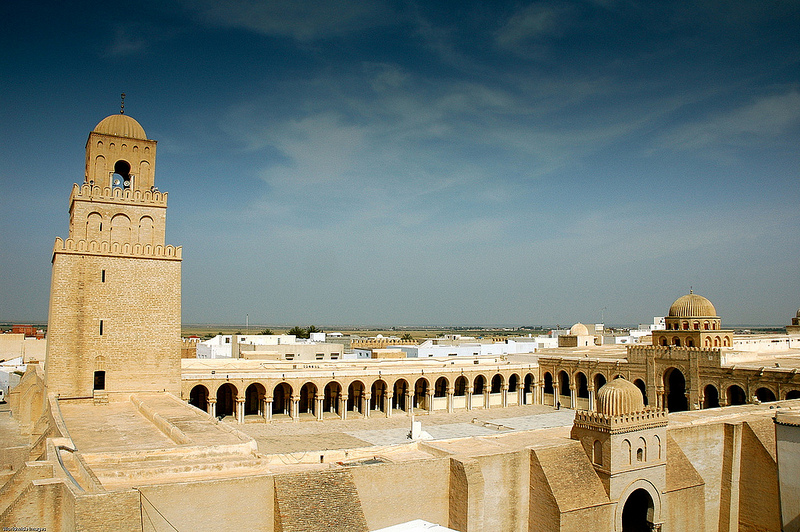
440, 388
765, 395
710, 397
497, 384
226, 400
736, 395
549, 390
642, 388
421, 394
582, 385
637, 514
198, 397
378, 396
675, 385
282, 399
308, 399
400, 391
253, 396
526, 389
355, 393
460, 386
330, 402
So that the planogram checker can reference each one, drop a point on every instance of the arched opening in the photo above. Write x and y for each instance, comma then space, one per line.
793, 394
378, 399
122, 175
710, 396
282, 399
582, 385
736, 395
479, 385
765, 395
460, 386
330, 401
642, 388
400, 391
637, 514
599, 381
676, 341
548, 383
675, 390
355, 393
253, 397
308, 396
198, 397
513, 382
497, 383
440, 388
421, 394
226, 400
527, 386
563, 383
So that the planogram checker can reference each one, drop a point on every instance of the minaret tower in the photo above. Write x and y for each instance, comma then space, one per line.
115, 296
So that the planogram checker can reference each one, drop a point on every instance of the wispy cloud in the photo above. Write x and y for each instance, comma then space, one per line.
756, 123
304, 20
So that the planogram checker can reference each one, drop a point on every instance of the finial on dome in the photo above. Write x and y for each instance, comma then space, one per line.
122, 104
690, 288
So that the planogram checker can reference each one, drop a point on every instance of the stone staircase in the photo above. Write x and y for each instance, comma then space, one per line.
318, 501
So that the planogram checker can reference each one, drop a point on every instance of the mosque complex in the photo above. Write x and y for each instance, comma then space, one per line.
697, 430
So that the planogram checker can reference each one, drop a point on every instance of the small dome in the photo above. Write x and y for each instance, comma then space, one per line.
798, 313
121, 126
619, 397
692, 306
579, 329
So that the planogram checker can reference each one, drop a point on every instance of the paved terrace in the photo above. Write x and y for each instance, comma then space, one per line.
312, 435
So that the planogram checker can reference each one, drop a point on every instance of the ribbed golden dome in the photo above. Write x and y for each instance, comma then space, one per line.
619, 397
692, 306
121, 126
579, 329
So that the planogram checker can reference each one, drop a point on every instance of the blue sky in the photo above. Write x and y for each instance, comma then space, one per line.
389, 163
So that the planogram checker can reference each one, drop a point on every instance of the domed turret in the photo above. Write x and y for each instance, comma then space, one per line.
619, 397
121, 125
579, 329
692, 306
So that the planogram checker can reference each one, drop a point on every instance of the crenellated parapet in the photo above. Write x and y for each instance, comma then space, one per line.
644, 419
96, 193
117, 249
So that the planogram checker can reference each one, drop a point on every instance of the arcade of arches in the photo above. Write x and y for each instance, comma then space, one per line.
337, 391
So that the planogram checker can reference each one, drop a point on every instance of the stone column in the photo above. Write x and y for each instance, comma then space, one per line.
409, 402
450, 407
268, 409
343, 406
660, 397
591, 397
240, 410
504, 395
388, 402
295, 408
469, 397
486, 392
365, 400
212, 407
319, 408
430, 401
573, 396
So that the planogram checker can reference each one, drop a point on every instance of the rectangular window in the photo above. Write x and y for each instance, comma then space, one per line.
320, 356
102, 276
289, 356
101, 327
334, 356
